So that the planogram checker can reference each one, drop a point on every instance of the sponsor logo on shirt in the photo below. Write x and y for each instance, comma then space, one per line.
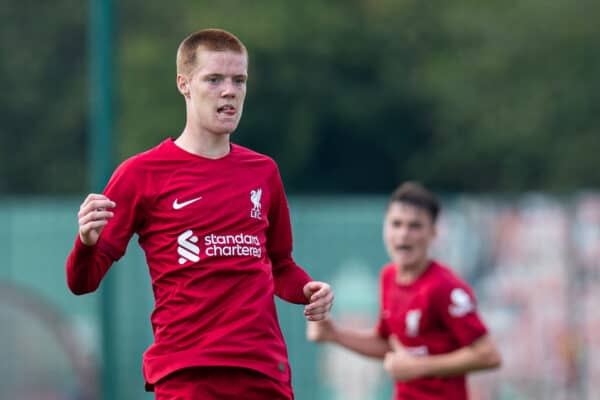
238, 245
187, 249
232, 245
412, 322
178, 206
255, 196
461, 303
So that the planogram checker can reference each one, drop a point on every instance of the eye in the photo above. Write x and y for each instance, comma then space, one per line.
213, 79
240, 80
415, 225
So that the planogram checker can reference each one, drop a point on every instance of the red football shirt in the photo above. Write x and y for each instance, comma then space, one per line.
218, 243
433, 315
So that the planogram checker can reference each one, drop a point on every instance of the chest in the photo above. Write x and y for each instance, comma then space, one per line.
411, 313
211, 201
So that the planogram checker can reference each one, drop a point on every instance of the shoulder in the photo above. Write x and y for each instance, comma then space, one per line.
257, 165
443, 275
142, 162
252, 157
141, 173
388, 272
449, 287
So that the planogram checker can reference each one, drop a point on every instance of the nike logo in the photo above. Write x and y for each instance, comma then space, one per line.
178, 206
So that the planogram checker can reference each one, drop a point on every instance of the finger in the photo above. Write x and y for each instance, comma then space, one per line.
314, 287
318, 307
95, 216
90, 226
323, 310
95, 205
94, 196
319, 311
323, 293
318, 317
311, 287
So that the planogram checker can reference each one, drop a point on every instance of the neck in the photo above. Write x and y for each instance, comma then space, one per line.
407, 274
204, 144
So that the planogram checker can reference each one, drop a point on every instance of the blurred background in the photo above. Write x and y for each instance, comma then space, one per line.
494, 105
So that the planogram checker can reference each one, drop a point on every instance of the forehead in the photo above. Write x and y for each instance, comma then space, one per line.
405, 211
221, 62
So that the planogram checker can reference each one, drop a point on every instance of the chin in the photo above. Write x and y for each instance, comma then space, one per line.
224, 130
406, 262
227, 128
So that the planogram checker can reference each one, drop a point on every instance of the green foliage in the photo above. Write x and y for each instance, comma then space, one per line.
348, 96
44, 104
516, 91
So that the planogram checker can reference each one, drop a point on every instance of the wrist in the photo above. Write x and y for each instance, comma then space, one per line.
334, 334
421, 366
83, 242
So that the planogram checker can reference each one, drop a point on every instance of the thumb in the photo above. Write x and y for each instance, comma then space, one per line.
395, 343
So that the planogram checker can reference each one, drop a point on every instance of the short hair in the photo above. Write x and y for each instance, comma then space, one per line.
210, 39
417, 195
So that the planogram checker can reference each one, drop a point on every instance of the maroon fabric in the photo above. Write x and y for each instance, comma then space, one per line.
221, 383
218, 243
435, 314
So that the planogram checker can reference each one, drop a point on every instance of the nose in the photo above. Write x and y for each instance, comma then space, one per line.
229, 89
402, 232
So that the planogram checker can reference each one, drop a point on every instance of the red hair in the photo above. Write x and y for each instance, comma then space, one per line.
210, 39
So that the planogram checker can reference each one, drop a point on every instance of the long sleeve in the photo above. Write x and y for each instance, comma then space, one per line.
288, 276
86, 266
289, 282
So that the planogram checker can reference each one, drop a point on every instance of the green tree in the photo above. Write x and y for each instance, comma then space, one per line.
348, 96
516, 90
43, 107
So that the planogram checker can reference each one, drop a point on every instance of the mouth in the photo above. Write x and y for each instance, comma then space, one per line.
227, 109
403, 248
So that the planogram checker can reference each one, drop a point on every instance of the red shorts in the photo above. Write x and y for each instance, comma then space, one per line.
221, 383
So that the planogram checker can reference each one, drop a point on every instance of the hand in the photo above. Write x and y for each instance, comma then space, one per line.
400, 364
93, 217
320, 297
321, 331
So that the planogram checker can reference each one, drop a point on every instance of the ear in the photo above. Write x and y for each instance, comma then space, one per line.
183, 85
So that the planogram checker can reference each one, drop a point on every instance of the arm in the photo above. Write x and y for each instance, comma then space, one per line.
106, 223
481, 354
367, 343
289, 279
86, 264
292, 283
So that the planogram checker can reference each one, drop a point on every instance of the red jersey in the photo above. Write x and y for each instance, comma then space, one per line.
435, 314
218, 243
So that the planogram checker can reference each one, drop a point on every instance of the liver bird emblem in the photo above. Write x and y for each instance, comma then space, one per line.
255, 196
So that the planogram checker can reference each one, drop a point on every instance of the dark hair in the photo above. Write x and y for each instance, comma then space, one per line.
415, 194
211, 39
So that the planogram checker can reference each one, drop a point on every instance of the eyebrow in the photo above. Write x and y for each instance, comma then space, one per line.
217, 74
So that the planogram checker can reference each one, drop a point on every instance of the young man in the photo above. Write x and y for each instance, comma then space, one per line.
213, 220
428, 334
